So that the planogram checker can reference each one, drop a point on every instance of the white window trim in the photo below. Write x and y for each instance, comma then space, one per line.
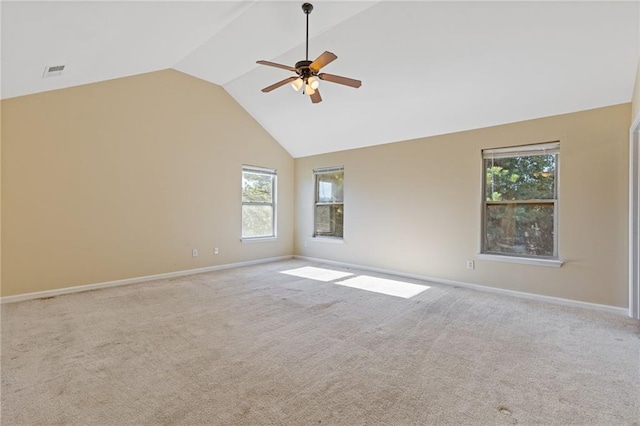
325, 238
634, 219
274, 193
245, 240
556, 263
522, 150
329, 240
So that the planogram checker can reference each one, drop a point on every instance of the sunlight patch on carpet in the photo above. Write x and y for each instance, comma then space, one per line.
384, 286
318, 274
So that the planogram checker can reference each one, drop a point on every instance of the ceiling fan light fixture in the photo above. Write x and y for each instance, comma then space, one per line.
307, 72
313, 82
308, 90
297, 84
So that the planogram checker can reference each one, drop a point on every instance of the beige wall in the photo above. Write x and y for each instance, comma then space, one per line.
414, 206
124, 178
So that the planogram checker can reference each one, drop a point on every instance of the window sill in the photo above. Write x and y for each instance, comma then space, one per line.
330, 240
554, 263
258, 239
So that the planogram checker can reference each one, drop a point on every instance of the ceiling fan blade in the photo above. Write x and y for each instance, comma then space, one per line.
340, 80
322, 60
273, 64
316, 98
278, 84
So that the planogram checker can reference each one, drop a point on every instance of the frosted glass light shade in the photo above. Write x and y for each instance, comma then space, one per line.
297, 84
308, 90
313, 82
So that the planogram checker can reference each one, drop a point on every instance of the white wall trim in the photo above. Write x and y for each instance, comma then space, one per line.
520, 294
634, 219
126, 281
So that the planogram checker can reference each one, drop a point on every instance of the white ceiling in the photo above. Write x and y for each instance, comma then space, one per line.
427, 68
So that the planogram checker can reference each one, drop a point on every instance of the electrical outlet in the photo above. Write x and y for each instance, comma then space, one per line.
216, 251
470, 264
194, 253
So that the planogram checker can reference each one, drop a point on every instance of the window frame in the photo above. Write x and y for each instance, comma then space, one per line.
316, 203
274, 188
545, 148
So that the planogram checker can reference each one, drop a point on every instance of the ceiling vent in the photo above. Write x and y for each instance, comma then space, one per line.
53, 71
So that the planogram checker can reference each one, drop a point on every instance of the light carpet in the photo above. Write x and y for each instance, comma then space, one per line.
255, 346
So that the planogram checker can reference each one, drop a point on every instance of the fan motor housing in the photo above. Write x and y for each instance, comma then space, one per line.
303, 68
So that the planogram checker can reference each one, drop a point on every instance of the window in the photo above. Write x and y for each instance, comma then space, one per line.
329, 202
258, 202
520, 206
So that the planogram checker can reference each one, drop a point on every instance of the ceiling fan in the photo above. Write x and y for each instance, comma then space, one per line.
308, 72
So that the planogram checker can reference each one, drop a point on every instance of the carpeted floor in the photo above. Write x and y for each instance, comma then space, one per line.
254, 346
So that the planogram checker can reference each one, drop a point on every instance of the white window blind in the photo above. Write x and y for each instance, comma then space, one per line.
522, 151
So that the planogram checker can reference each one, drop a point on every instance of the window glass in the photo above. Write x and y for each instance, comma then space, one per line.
329, 219
525, 229
257, 221
520, 178
330, 187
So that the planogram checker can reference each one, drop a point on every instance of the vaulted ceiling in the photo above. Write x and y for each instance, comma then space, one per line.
427, 68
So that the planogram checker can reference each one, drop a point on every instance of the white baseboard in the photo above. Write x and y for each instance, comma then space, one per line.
520, 294
126, 281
